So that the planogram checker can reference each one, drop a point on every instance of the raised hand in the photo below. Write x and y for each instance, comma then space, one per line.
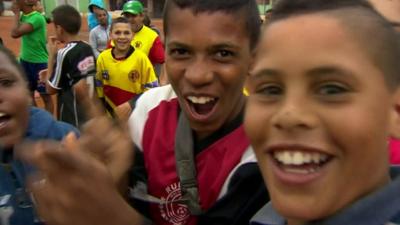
77, 180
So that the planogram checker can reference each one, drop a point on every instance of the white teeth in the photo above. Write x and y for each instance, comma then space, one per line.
301, 171
299, 158
200, 100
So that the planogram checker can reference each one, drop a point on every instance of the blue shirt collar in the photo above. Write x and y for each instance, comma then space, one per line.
378, 207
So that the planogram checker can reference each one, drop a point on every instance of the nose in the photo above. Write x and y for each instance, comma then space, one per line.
199, 72
294, 115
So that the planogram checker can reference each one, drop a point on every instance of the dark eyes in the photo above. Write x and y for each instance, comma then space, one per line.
183, 53
7, 82
331, 89
124, 32
178, 51
224, 53
324, 91
270, 90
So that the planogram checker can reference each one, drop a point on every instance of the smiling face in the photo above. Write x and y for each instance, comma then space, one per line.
208, 57
121, 34
14, 103
318, 117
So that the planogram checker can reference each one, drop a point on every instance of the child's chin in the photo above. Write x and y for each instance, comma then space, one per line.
302, 213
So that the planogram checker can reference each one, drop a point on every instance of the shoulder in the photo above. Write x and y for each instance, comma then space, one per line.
42, 125
139, 54
149, 32
104, 54
94, 31
63, 52
78, 50
154, 96
83, 45
34, 18
147, 102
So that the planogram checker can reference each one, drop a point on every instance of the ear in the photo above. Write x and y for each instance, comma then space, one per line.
395, 115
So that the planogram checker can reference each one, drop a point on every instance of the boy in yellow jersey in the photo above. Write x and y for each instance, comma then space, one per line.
145, 38
123, 73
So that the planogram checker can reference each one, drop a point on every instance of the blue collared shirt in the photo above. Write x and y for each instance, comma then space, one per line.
381, 207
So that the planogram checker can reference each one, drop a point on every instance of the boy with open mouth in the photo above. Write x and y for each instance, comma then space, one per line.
324, 99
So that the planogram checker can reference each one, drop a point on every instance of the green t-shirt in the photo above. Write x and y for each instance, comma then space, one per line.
33, 47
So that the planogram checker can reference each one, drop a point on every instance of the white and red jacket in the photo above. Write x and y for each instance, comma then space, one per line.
153, 126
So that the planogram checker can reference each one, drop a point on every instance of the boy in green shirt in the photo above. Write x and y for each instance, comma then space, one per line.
31, 27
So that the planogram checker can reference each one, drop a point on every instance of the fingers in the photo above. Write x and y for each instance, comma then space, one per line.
94, 108
50, 158
43, 75
70, 142
52, 39
123, 112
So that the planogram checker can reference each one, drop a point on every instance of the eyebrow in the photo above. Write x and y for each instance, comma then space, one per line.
328, 70
319, 71
176, 43
4, 73
265, 73
212, 47
225, 45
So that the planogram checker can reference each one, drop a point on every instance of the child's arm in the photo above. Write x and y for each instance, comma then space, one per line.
53, 49
149, 79
19, 28
81, 90
93, 43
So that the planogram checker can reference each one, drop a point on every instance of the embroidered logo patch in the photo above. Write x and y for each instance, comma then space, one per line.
86, 65
173, 212
138, 44
133, 76
105, 75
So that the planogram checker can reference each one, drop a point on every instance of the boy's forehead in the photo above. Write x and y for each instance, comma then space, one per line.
121, 26
308, 23
199, 18
296, 35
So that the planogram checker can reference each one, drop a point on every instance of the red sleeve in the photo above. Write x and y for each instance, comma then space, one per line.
109, 45
156, 54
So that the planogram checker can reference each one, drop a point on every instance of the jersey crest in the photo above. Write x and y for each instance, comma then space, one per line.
172, 211
138, 44
134, 76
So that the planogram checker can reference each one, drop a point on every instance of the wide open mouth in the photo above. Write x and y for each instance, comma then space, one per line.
4, 118
301, 162
202, 106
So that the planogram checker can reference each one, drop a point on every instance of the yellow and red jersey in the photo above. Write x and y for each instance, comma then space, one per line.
120, 80
148, 41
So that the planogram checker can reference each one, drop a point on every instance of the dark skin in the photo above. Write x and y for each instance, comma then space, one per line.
79, 185
73, 167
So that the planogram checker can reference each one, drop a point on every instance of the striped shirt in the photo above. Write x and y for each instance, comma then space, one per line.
73, 62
